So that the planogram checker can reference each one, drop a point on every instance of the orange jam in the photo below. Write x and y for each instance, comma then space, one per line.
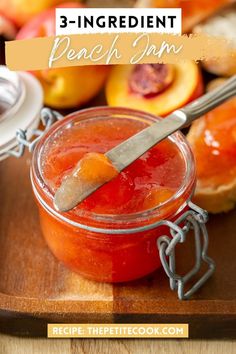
215, 146
96, 168
102, 237
147, 182
90, 173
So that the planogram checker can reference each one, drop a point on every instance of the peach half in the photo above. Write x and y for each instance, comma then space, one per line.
125, 88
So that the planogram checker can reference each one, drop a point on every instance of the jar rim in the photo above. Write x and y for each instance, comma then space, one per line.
116, 220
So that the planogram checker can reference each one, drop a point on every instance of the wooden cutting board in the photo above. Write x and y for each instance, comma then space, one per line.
36, 289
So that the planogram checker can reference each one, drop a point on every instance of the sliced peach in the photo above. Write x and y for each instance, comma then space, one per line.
185, 86
96, 168
156, 197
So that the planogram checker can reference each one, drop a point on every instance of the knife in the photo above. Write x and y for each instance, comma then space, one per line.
70, 193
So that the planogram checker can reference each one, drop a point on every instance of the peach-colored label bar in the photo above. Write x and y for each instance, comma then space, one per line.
127, 330
111, 48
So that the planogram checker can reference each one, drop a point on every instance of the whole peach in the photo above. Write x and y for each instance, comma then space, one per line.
73, 86
21, 11
63, 87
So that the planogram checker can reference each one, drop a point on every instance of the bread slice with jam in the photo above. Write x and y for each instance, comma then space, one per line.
213, 140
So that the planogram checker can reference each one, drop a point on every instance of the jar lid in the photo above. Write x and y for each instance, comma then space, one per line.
21, 100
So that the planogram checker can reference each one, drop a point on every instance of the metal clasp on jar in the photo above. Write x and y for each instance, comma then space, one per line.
48, 117
195, 218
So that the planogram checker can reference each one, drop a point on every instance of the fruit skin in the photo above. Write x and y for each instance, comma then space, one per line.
63, 87
7, 28
71, 87
186, 86
21, 11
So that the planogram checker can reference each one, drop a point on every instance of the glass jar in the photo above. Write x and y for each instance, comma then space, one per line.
113, 248
108, 248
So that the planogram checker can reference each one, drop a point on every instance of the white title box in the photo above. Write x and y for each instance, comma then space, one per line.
114, 20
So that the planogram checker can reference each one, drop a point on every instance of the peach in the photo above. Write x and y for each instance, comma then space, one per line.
63, 87
7, 28
157, 196
21, 11
185, 85
71, 87
95, 168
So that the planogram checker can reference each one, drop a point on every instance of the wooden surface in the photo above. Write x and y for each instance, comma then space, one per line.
35, 288
29, 271
33, 284
13, 345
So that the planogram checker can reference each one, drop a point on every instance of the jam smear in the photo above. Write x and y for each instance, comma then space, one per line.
92, 171
95, 168
215, 146
147, 182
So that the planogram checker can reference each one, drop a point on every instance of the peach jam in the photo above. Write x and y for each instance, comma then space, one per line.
111, 236
215, 146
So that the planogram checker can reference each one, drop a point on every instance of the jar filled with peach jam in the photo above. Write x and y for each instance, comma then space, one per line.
129, 227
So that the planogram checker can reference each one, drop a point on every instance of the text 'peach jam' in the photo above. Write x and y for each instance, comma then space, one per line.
147, 182
112, 235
